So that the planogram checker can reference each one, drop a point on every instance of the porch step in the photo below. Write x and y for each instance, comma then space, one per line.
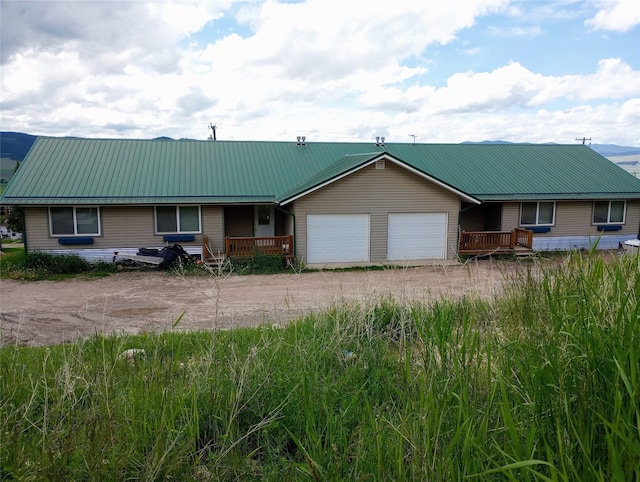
215, 261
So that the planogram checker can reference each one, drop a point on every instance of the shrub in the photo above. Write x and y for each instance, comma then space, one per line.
56, 263
260, 264
38, 265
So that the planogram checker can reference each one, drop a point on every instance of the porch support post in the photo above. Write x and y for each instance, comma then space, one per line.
293, 216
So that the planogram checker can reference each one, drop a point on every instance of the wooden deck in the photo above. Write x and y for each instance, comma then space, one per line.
249, 246
519, 241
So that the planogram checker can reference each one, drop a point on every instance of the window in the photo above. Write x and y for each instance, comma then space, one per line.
177, 219
609, 212
537, 213
74, 221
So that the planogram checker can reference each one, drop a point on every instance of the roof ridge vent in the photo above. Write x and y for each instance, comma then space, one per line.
379, 141
301, 140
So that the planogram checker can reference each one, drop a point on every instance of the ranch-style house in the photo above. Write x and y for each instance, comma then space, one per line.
325, 203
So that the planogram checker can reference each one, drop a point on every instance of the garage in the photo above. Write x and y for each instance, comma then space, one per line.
337, 238
413, 236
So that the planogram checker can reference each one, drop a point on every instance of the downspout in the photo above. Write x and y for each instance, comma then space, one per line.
278, 208
24, 234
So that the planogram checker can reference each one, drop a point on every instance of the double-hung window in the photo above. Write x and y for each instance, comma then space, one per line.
177, 219
541, 213
74, 221
609, 212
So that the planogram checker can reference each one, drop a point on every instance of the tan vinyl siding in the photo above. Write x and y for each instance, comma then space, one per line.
633, 218
37, 228
127, 227
378, 192
573, 218
213, 226
123, 227
510, 216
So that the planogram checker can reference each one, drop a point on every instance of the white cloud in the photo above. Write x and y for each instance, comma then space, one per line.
616, 15
530, 31
326, 69
96, 28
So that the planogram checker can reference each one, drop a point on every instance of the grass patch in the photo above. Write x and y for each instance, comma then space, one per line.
542, 384
38, 266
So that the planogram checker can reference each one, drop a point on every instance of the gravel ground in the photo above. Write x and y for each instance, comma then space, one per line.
47, 312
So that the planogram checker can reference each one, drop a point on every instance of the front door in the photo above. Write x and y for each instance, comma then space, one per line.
264, 221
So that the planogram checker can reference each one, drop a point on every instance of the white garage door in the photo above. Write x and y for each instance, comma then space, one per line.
417, 236
337, 238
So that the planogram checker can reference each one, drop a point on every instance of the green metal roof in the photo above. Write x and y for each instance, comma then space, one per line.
108, 171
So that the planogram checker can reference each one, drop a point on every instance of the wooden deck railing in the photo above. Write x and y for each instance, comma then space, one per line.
485, 242
248, 246
523, 237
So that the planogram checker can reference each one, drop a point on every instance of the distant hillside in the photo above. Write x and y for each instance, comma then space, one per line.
630, 163
15, 145
6, 169
606, 150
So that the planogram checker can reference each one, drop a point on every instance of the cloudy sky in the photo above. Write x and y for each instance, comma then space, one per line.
333, 70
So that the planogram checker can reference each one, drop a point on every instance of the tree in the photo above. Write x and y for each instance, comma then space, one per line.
15, 219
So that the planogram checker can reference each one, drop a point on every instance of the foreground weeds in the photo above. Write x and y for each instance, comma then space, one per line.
541, 384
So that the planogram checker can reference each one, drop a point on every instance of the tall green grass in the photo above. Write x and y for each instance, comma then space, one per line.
541, 384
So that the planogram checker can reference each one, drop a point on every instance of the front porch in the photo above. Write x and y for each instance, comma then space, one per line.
519, 242
248, 246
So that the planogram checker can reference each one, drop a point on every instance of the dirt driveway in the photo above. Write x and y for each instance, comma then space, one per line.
46, 312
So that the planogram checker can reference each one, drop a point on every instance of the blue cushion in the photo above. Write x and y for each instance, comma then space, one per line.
76, 240
610, 227
539, 229
178, 238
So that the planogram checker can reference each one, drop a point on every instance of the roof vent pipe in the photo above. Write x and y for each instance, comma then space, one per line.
379, 141
301, 140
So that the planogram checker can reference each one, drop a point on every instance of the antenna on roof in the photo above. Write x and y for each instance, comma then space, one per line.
584, 140
213, 129
414, 138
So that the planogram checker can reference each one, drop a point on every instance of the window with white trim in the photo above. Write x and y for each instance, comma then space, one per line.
539, 213
74, 221
177, 219
609, 212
